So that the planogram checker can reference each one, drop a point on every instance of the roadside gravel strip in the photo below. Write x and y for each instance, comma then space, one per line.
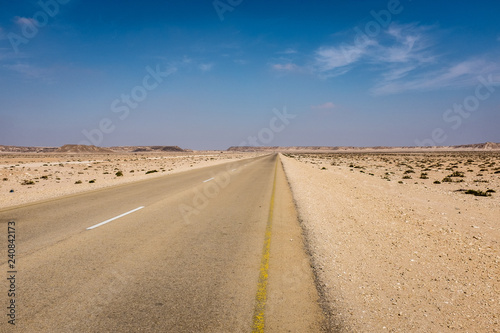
399, 258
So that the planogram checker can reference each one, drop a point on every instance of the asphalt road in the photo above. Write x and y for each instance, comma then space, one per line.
217, 249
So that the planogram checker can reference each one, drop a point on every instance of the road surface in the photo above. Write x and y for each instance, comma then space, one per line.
217, 249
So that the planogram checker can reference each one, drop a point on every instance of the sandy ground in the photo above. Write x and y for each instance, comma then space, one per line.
26, 178
396, 252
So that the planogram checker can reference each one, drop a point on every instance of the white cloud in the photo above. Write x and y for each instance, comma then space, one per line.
406, 45
462, 74
24, 21
287, 67
402, 59
30, 71
332, 58
324, 106
398, 72
206, 67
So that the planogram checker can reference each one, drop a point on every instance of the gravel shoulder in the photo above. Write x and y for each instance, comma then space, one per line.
399, 256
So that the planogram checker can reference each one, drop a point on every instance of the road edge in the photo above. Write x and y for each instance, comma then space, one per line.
332, 322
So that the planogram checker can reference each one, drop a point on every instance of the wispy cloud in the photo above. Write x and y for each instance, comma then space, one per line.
206, 67
30, 71
403, 59
186, 60
289, 50
324, 106
462, 74
22, 21
410, 43
285, 67
3, 35
332, 58
402, 47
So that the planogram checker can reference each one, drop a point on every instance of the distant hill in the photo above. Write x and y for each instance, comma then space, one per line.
470, 147
89, 149
82, 149
138, 149
159, 148
484, 146
19, 149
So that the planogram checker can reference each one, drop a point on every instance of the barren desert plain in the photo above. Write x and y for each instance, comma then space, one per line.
398, 242
33, 177
403, 242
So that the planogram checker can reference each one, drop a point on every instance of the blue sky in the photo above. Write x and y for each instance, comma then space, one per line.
212, 74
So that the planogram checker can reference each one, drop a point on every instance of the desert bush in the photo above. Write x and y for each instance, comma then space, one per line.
27, 182
78, 182
119, 174
151, 171
478, 193
423, 175
407, 177
457, 174
437, 182
447, 180
92, 181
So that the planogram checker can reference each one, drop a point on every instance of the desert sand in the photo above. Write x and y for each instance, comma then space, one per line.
26, 178
396, 252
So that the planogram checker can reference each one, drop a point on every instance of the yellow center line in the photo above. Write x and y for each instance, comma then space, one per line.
261, 298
